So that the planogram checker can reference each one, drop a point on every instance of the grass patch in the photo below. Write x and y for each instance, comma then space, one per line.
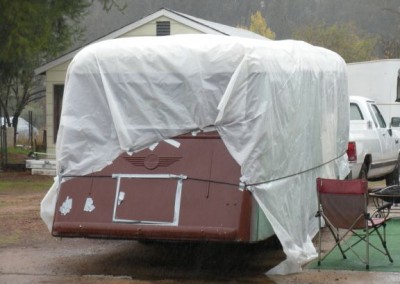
24, 182
17, 155
18, 151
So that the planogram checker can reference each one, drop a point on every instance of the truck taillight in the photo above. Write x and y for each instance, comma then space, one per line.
352, 151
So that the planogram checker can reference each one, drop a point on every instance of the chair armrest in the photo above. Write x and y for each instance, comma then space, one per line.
384, 206
382, 211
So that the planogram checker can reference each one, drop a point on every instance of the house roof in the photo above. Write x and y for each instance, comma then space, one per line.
196, 23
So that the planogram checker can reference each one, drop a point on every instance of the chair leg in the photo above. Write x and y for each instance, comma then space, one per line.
319, 238
383, 241
337, 240
367, 244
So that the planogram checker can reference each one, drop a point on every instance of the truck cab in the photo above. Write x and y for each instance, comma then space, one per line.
373, 149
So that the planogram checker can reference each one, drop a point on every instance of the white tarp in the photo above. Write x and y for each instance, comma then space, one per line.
281, 108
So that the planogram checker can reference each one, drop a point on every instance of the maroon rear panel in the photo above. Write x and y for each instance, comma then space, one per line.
189, 192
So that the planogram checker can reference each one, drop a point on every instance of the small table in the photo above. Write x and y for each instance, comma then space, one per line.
389, 194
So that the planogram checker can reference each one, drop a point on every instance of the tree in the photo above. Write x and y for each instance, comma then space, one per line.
343, 39
258, 24
32, 32
390, 47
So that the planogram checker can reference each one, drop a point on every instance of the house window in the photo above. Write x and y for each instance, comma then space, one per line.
163, 28
58, 97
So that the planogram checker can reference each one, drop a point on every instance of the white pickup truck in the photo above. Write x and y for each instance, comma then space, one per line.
373, 149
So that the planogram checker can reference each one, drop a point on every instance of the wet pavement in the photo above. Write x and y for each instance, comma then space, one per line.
113, 261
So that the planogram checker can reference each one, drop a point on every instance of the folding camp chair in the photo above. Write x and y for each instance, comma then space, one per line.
343, 206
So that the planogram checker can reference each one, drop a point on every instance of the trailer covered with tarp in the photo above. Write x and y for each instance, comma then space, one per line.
199, 137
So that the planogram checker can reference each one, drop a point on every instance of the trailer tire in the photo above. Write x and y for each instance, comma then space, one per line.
393, 177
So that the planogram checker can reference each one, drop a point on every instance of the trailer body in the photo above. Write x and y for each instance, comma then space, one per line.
201, 138
189, 192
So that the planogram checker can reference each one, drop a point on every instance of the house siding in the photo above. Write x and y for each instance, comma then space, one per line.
150, 28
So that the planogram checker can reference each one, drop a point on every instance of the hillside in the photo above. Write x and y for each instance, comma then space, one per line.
379, 18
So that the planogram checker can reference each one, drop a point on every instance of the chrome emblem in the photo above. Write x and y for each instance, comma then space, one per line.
152, 161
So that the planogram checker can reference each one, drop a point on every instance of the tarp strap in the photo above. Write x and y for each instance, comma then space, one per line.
240, 185
295, 174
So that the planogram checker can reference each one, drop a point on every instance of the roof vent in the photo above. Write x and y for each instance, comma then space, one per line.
163, 28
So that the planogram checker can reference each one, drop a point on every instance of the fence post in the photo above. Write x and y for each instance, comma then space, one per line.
31, 130
3, 146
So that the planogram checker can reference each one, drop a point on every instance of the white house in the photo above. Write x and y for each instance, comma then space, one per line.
161, 23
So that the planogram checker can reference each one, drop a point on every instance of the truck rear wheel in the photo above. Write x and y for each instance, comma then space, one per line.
393, 177
363, 172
